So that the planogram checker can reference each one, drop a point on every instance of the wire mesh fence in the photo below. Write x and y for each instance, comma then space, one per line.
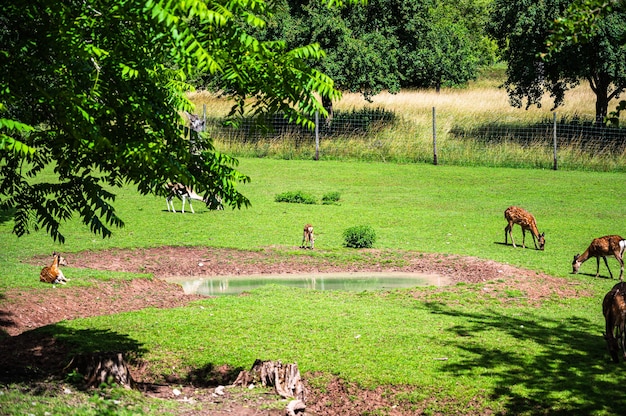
378, 134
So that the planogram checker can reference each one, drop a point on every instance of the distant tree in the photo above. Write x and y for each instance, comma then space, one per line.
522, 29
389, 44
452, 47
580, 23
92, 95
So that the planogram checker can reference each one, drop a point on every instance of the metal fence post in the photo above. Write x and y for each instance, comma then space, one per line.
434, 138
317, 135
554, 166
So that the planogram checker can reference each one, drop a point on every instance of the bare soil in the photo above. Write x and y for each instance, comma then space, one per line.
28, 356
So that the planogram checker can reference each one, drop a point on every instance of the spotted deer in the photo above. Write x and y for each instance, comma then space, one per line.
185, 193
614, 311
609, 245
516, 215
53, 274
307, 237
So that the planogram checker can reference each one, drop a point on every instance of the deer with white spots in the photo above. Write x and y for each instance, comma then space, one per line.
609, 245
516, 215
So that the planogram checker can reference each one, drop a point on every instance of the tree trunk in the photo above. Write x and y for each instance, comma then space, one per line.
600, 85
99, 368
602, 108
285, 378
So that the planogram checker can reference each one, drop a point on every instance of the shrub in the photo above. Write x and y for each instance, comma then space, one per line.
360, 236
297, 197
330, 198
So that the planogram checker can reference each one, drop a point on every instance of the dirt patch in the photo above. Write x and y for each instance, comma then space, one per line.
22, 352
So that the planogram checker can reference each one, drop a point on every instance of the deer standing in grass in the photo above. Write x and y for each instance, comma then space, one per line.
609, 245
614, 311
53, 274
516, 215
308, 237
185, 193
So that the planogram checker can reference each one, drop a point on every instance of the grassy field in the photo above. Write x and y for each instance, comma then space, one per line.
508, 357
454, 352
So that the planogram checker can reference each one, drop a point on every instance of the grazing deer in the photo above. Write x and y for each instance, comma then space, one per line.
614, 310
609, 245
517, 215
308, 237
184, 193
53, 274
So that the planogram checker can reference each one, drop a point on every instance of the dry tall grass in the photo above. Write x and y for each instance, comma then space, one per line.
410, 139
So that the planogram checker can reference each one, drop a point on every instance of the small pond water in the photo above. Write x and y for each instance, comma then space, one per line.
356, 281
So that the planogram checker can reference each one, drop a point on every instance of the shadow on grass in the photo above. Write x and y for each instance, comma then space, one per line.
41, 354
7, 215
571, 374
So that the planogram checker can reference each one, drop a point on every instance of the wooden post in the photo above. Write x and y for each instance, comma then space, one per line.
554, 166
434, 137
317, 135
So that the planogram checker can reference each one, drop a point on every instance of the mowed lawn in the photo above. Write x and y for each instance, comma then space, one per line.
456, 350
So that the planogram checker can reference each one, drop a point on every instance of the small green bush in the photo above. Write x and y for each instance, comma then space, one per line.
331, 198
360, 236
297, 197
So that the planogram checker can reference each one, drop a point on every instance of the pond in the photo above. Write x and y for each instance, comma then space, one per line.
355, 281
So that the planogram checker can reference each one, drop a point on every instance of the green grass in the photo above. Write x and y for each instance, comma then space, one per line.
507, 357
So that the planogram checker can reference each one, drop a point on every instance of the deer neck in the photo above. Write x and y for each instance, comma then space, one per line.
55, 264
534, 230
583, 257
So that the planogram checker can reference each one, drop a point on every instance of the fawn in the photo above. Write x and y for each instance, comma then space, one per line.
516, 215
308, 237
53, 274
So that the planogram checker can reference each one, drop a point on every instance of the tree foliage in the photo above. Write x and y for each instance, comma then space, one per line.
523, 29
390, 44
92, 95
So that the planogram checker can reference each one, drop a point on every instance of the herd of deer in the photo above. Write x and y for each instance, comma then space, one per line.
613, 305
614, 302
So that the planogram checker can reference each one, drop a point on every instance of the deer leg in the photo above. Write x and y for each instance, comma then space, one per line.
523, 237
607, 266
168, 201
621, 273
191, 207
534, 240
507, 230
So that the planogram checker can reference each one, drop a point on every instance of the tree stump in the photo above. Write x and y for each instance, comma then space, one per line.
285, 378
99, 368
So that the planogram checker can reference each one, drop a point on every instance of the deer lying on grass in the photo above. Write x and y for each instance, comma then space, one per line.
609, 245
516, 215
185, 193
614, 310
308, 237
53, 274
